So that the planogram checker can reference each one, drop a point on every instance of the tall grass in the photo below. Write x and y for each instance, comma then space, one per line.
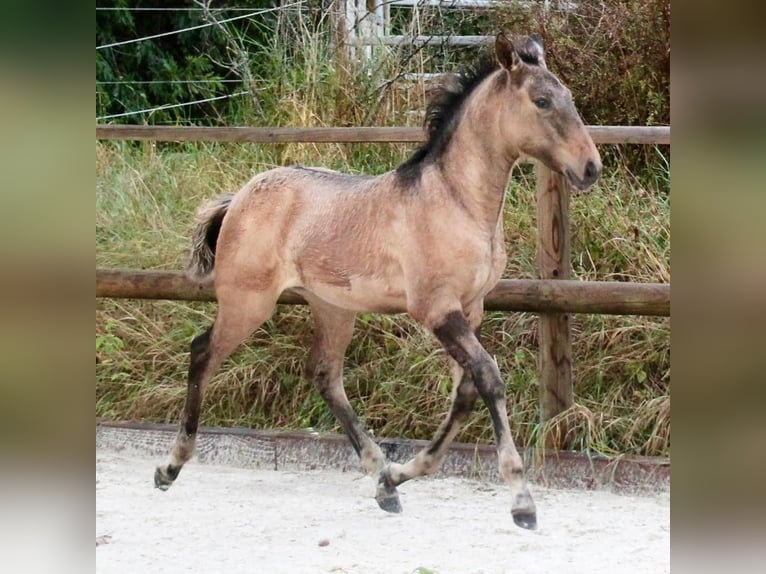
396, 375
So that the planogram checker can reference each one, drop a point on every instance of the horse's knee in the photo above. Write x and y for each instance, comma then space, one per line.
486, 377
465, 395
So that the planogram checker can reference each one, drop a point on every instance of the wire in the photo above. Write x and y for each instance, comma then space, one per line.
250, 15
142, 9
168, 106
121, 82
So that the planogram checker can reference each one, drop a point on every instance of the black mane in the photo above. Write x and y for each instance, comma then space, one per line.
442, 115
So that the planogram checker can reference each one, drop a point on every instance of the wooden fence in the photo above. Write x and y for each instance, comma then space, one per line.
553, 296
600, 134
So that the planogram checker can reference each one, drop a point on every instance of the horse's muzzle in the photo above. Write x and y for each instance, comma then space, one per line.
590, 175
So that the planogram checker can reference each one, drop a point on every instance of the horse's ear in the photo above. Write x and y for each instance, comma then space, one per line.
531, 50
506, 53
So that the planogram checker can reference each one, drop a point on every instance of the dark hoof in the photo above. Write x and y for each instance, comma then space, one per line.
526, 520
386, 496
390, 503
164, 477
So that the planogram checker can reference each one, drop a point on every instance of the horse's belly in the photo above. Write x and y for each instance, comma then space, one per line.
362, 295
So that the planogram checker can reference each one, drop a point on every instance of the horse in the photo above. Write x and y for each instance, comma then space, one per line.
425, 238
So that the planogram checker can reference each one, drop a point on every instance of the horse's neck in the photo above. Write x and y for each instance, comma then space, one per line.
477, 166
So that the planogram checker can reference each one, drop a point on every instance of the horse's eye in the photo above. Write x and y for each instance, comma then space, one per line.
543, 103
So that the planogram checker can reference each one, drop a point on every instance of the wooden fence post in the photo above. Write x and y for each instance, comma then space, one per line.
553, 259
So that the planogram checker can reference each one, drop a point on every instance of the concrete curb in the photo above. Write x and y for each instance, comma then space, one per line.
304, 450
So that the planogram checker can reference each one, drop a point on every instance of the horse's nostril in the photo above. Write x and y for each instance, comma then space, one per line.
591, 171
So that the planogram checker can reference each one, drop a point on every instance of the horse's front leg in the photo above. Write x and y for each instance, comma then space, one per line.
428, 460
463, 399
459, 340
461, 343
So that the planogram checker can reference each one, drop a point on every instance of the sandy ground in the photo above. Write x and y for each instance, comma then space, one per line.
232, 520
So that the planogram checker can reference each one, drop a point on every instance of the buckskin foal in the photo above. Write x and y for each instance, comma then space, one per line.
426, 238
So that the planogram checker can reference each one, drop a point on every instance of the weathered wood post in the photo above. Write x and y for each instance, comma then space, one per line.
553, 259
364, 19
335, 11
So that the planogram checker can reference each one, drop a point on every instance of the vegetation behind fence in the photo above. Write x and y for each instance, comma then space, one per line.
614, 55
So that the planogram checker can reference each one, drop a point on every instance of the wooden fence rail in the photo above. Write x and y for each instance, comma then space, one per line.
600, 134
532, 295
553, 296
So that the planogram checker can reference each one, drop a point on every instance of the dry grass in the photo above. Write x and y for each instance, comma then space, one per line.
396, 375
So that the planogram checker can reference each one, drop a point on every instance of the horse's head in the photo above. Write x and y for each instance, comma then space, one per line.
542, 116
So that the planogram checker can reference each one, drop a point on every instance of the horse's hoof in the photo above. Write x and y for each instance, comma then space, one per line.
390, 503
526, 520
164, 477
386, 496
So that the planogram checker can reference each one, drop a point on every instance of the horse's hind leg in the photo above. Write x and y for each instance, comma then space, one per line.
239, 314
333, 328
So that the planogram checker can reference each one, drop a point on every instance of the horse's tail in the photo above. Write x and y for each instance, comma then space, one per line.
205, 237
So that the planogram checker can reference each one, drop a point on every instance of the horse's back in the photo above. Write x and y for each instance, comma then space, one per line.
308, 227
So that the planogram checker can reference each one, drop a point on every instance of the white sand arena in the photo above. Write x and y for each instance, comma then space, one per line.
225, 519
